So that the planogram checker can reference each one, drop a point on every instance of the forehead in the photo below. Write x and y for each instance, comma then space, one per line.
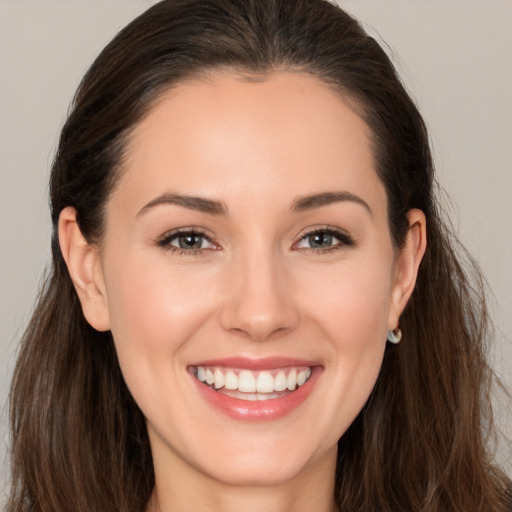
225, 133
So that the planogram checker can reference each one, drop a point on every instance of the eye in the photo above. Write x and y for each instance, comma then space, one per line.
324, 240
187, 241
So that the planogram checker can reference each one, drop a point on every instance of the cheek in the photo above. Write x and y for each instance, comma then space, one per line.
352, 301
154, 310
352, 310
149, 300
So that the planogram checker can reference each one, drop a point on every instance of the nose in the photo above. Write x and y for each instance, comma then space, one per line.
260, 301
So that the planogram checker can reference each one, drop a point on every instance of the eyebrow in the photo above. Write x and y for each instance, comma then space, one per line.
214, 207
191, 202
326, 198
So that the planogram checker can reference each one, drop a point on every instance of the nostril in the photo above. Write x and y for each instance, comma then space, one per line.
259, 307
260, 334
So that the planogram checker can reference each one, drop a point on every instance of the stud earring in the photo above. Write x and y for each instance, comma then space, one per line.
395, 336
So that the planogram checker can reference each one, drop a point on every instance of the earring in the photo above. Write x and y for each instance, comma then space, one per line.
395, 336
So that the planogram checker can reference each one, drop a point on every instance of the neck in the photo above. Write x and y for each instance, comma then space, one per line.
182, 488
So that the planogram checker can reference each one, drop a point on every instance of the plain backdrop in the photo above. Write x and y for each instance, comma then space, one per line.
455, 57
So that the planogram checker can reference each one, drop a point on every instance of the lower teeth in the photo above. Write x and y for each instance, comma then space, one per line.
252, 397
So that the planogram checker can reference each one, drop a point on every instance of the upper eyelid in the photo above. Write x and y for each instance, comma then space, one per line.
213, 239
165, 242
322, 229
345, 238
182, 231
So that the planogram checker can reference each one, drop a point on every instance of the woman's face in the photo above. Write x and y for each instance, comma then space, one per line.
247, 249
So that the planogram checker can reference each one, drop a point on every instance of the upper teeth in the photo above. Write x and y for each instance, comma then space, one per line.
253, 382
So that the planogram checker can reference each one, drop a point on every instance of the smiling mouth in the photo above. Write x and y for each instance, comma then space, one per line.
252, 385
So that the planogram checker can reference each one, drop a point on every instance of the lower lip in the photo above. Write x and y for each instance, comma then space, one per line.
260, 410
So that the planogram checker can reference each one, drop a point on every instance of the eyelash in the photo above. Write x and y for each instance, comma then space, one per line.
344, 240
165, 242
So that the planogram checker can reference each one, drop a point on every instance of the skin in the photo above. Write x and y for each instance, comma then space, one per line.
258, 289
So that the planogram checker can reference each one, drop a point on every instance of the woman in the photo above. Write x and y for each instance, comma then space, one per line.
244, 230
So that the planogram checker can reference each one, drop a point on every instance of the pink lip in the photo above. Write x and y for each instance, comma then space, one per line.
262, 410
266, 363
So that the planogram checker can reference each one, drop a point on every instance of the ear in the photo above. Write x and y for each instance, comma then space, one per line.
84, 267
407, 264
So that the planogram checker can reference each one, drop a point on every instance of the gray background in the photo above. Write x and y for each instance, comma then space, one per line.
454, 56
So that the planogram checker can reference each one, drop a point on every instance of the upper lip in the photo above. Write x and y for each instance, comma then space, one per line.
257, 364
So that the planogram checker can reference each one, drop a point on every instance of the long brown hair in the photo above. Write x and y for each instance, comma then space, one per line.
79, 441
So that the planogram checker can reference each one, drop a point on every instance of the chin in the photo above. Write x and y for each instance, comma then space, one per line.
252, 471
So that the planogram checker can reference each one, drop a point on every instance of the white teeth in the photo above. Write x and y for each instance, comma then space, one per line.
230, 381
291, 380
265, 383
280, 383
201, 373
303, 376
246, 382
252, 397
219, 378
210, 379
253, 385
